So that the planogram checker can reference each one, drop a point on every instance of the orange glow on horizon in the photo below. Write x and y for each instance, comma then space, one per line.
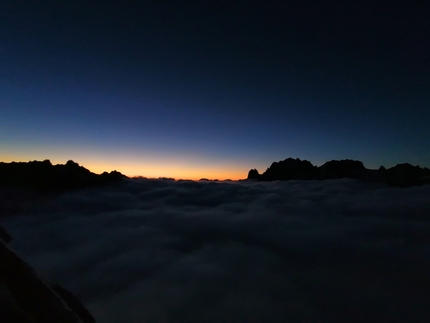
176, 172
174, 168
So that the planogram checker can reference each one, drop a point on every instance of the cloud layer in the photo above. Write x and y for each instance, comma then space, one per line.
298, 251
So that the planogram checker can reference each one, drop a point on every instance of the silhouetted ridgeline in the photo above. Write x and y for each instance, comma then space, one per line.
401, 175
42, 175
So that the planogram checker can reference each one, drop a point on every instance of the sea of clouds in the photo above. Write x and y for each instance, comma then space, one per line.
183, 251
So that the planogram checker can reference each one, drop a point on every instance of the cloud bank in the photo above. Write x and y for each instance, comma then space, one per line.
182, 251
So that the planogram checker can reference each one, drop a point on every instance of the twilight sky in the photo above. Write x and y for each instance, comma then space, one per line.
192, 89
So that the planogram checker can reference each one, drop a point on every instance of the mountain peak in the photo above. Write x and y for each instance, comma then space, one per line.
401, 175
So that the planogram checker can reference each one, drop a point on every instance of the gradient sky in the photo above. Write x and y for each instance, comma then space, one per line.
192, 89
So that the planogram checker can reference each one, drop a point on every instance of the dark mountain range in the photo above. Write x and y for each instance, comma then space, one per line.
401, 175
43, 176
22, 184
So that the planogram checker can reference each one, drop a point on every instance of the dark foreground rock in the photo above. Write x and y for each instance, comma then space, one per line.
401, 175
43, 176
26, 297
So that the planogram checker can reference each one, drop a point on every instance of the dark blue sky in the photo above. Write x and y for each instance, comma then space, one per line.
212, 88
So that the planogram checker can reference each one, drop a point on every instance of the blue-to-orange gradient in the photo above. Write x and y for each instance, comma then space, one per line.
190, 92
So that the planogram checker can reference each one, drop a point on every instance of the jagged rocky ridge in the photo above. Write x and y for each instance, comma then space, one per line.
401, 175
26, 297
43, 176
22, 184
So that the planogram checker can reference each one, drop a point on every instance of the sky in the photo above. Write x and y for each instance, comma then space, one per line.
191, 89
155, 251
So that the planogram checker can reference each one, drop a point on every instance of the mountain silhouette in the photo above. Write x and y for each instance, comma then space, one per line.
290, 169
43, 176
401, 175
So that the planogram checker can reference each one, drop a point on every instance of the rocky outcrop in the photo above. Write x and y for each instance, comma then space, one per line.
4, 235
253, 174
74, 303
401, 175
290, 169
404, 175
43, 176
346, 168
26, 297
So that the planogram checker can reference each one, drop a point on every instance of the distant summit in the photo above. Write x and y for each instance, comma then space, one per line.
43, 176
290, 169
401, 175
